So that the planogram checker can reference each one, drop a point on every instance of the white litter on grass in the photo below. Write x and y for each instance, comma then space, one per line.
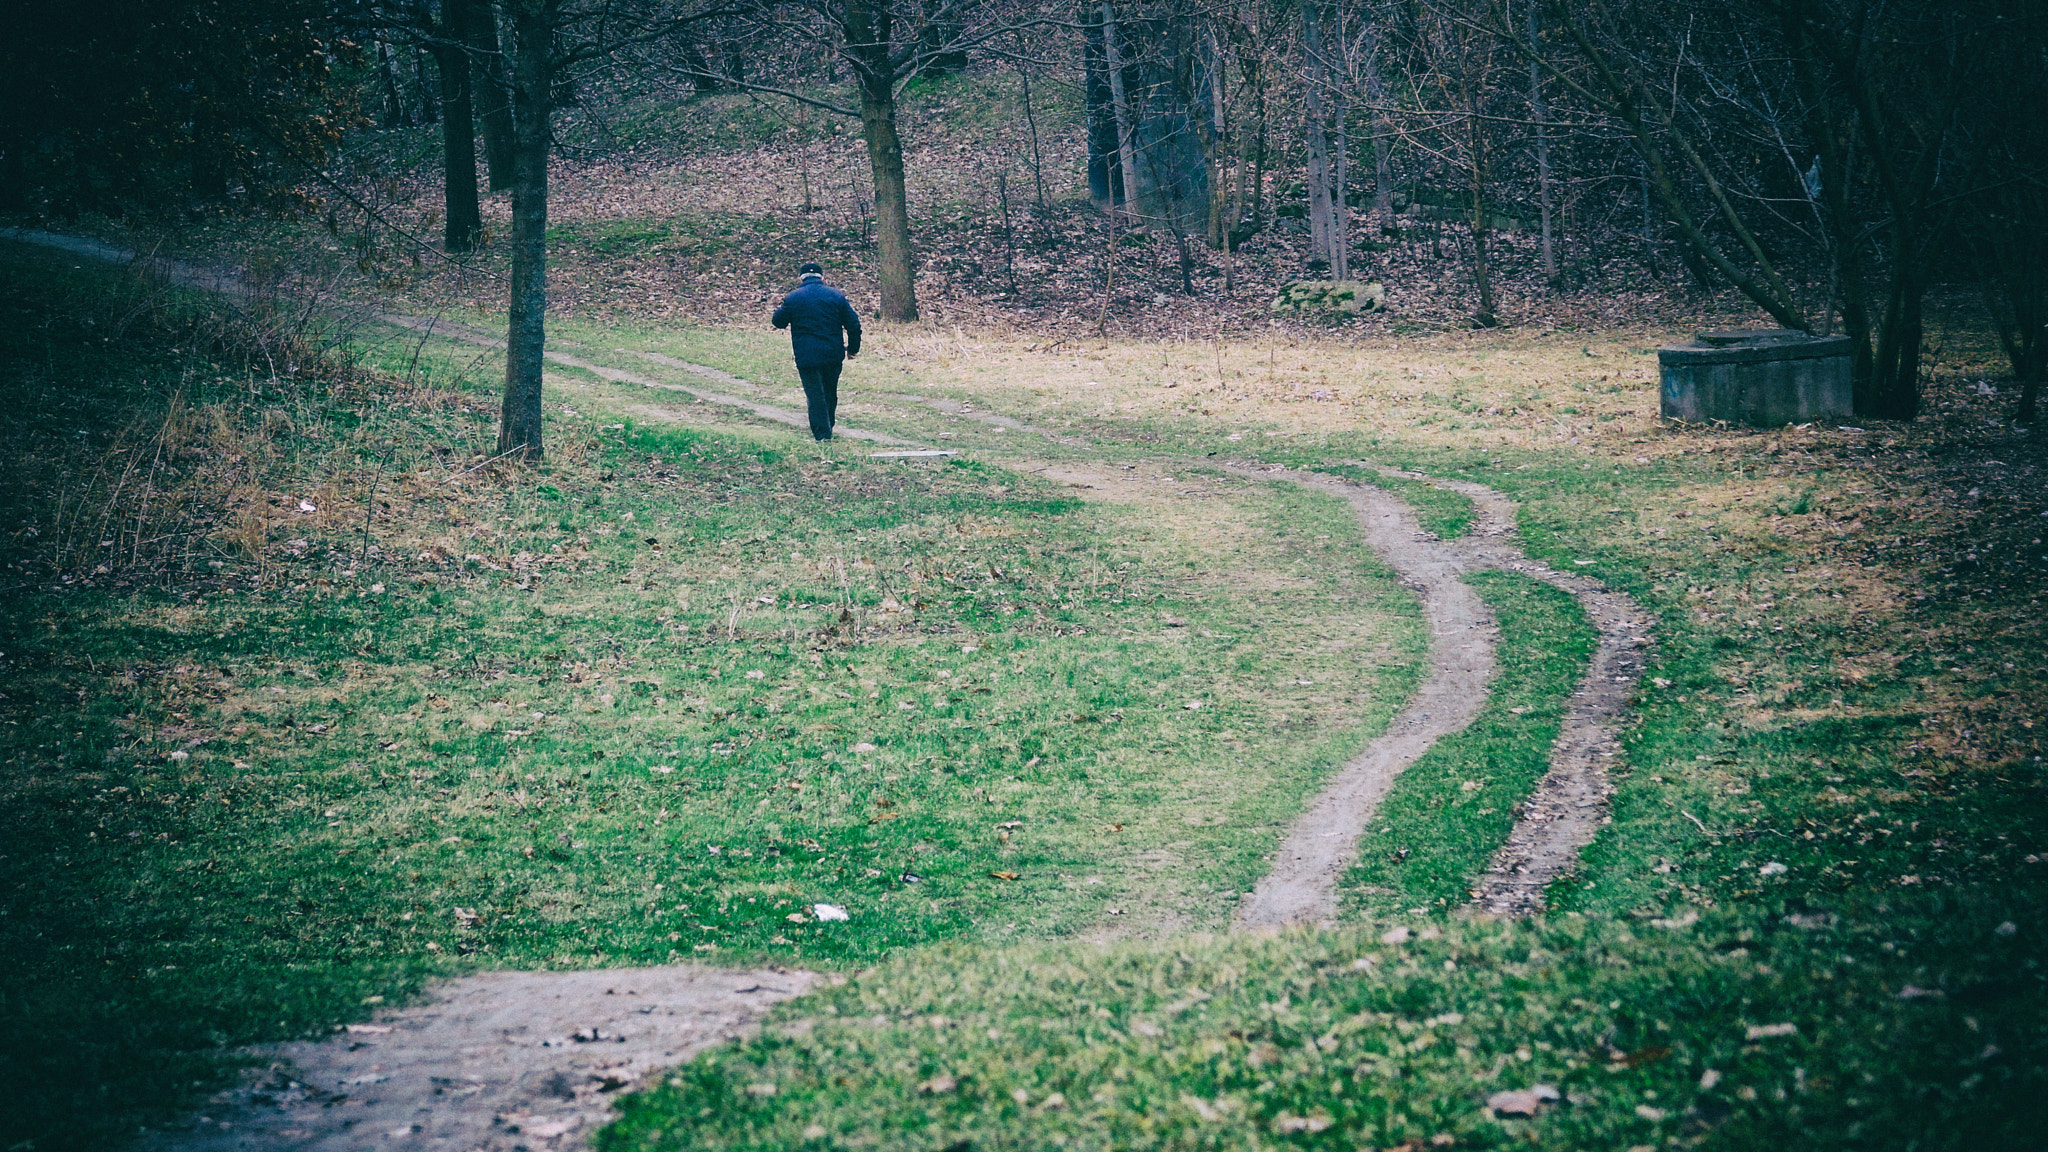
308, 506
829, 912
1766, 1031
1773, 869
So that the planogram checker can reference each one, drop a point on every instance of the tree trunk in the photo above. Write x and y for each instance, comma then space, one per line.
1482, 268
488, 91
519, 424
865, 25
429, 101
1104, 177
1538, 112
1382, 168
1340, 175
1031, 123
1321, 217
1126, 146
1893, 392
387, 74
1216, 148
458, 131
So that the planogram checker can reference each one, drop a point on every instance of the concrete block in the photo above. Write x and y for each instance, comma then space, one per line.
1762, 377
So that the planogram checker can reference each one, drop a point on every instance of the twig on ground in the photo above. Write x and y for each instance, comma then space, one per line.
474, 467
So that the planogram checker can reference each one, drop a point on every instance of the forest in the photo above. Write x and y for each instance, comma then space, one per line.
1260, 663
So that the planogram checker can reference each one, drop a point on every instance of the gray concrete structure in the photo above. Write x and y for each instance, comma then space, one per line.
1763, 377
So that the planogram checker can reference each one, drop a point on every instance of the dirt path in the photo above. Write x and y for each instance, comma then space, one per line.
525, 1061
496, 1062
1302, 886
1569, 804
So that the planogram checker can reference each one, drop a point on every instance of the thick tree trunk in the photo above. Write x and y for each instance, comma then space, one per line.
519, 425
458, 132
1322, 217
1893, 392
489, 92
866, 29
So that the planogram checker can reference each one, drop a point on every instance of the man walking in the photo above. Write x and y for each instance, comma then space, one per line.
815, 316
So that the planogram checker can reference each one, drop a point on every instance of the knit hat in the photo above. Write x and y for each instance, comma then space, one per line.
811, 271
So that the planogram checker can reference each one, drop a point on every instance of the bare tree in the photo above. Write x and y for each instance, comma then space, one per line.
888, 43
1323, 104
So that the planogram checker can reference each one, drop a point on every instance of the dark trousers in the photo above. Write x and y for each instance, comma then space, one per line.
821, 389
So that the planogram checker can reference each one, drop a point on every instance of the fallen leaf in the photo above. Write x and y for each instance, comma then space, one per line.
1397, 935
368, 1029
1011, 824
547, 1129
829, 912
1765, 1031
1004, 875
1522, 1101
939, 1084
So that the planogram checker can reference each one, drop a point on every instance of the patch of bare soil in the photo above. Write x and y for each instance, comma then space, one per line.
496, 1062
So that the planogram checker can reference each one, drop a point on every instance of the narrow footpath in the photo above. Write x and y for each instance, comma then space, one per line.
528, 1061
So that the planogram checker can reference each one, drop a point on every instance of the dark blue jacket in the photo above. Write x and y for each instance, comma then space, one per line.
815, 315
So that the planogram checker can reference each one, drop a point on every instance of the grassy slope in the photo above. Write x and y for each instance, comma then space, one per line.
652, 701
1778, 730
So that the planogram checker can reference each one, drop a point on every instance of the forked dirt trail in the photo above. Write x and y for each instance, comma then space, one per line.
1302, 886
527, 1061
1569, 803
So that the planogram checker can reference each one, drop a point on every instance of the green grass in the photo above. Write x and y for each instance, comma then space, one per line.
1453, 808
1442, 512
1759, 739
649, 702
158, 909
1339, 1040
